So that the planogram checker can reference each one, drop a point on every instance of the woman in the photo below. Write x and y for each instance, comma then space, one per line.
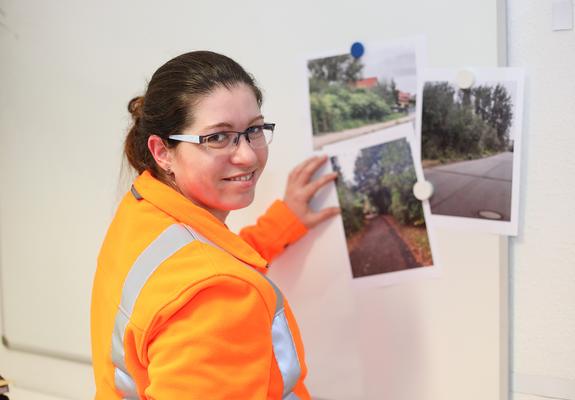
181, 307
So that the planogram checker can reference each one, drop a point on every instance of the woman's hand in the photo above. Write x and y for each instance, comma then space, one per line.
300, 189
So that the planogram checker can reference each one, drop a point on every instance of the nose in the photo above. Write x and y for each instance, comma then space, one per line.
242, 152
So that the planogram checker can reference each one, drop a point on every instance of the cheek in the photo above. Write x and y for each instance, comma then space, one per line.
195, 170
263, 157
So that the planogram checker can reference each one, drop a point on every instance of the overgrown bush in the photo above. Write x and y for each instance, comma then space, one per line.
465, 124
338, 107
385, 174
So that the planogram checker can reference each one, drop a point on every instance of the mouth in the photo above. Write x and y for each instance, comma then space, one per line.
241, 178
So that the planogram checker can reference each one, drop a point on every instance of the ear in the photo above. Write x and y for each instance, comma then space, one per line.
160, 152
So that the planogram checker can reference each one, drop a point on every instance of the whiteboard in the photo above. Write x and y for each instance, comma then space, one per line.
68, 70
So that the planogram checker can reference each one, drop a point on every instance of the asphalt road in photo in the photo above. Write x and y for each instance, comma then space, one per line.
380, 250
465, 188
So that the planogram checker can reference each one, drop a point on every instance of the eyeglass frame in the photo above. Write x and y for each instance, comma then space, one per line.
201, 139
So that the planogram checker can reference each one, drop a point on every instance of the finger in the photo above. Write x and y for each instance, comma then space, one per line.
300, 167
320, 216
320, 182
311, 168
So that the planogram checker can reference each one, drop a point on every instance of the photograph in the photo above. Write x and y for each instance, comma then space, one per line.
469, 148
350, 97
384, 223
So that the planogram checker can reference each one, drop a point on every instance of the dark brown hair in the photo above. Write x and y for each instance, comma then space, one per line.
167, 106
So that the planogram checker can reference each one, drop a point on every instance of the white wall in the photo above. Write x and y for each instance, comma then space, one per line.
542, 266
75, 64
543, 256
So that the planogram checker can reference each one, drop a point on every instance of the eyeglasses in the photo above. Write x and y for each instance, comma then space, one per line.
257, 136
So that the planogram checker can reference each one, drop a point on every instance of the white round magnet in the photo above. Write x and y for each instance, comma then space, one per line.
423, 190
465, 79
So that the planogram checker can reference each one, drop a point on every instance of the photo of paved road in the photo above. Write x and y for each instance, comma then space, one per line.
380, 250
466, 188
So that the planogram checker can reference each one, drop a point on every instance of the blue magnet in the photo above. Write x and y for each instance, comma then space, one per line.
357, 50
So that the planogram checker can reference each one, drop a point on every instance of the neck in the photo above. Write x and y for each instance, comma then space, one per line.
219, 214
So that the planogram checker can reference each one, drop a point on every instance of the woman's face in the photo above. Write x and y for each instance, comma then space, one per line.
221, 180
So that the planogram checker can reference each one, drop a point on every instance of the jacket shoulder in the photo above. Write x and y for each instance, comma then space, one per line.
195, 267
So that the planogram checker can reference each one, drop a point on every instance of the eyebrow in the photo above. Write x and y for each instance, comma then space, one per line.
227, 125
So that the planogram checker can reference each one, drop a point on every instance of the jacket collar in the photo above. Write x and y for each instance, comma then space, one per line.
184, 211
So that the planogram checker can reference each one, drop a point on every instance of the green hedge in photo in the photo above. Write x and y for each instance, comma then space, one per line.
339, 107
335, 101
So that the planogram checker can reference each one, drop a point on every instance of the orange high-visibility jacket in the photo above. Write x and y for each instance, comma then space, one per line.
181, 308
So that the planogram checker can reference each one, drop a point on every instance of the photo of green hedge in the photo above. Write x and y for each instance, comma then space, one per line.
336, 104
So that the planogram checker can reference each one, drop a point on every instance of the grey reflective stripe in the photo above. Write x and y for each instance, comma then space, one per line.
122, 379
282, 340
137, 195
285, 352
284, 346
167, 243
279, 295
125, 385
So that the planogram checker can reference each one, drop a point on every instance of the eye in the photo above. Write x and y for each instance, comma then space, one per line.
219, 139
255, 131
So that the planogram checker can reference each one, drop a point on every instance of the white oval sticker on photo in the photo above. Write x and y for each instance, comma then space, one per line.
465, 79
423, 190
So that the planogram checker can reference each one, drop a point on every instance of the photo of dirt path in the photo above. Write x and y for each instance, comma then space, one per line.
383, 221
380, 250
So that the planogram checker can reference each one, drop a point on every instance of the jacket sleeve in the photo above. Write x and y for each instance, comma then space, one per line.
217, 346
274, 231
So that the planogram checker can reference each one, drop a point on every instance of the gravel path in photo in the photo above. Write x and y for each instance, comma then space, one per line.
381, 250
327, 138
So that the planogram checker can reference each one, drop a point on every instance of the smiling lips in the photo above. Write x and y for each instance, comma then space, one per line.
241, 178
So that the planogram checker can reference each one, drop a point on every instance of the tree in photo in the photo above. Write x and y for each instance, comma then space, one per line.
343, 69
465, 124
351, 204
388, 91
501, 115
385, 174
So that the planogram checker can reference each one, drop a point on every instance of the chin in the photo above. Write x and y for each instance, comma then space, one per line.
239, 202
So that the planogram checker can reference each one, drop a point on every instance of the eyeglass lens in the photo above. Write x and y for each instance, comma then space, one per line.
256, 137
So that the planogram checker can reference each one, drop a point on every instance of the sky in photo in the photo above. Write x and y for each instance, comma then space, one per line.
347, 163
397, 62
